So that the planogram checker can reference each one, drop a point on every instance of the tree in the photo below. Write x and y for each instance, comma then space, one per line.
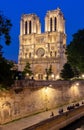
6, 73
1, 53
27, 70
5, 66
48, 72
5, 26
67, 72
76, 72
75, 51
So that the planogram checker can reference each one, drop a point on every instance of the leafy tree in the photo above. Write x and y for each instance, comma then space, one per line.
48, 72
1, 53
5, 26
76, 72
75, 51
18, 75
6, 78
6, 73
67, 72
5, 66
27, 70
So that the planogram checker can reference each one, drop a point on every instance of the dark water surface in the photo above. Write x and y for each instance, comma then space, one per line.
77, 125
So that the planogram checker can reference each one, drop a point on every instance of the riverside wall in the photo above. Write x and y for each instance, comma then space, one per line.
59, 121
28, 97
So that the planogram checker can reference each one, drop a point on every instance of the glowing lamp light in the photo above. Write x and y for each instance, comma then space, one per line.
52, 75
57, 77
77, 84
35, 56
45, 75
82, 75
36, 75
27, 74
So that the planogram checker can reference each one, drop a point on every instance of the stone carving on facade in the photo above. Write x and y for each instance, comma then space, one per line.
42, 49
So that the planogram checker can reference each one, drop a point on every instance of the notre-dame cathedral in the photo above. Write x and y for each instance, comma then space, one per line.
42, 50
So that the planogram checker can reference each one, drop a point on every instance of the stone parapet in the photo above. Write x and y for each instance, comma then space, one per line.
28, 97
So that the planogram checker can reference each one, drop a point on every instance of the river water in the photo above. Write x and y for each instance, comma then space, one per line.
77, 125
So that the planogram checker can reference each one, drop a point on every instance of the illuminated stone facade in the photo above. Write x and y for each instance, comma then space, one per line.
42, 50
24, 99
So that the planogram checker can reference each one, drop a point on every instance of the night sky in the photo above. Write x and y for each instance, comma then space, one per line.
73, 11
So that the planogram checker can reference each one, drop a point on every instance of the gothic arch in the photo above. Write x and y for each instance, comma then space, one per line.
55, 24
30, 26
50, 24
26, 27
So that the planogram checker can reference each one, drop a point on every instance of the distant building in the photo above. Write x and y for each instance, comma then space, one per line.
42, 50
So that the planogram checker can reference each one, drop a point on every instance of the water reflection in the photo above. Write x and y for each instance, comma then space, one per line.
77, 125
81, 128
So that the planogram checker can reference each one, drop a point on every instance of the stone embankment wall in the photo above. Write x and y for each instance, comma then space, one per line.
29, 97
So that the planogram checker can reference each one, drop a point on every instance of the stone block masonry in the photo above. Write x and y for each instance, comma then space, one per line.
28, 97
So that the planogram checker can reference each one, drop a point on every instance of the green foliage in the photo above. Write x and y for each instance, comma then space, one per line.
6, 78
67, 72
75, 51
27, 70
76, 72
48, 72
5, 26
1, 53
6, 74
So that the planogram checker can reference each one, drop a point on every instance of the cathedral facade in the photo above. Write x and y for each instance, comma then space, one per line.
42, 50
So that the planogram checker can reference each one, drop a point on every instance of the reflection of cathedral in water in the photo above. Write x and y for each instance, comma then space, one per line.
42, 50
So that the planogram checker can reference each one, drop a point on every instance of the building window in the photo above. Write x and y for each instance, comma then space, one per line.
55, 53
25, 55
40, 76
51, 24
30, 25
55, 23
30, 55
51, 53
26, 27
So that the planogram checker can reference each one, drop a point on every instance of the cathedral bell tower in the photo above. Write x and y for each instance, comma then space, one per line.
30, 24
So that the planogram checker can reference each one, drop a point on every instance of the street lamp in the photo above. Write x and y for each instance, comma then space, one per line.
77, 84
52, 76
27, 75
82, 76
